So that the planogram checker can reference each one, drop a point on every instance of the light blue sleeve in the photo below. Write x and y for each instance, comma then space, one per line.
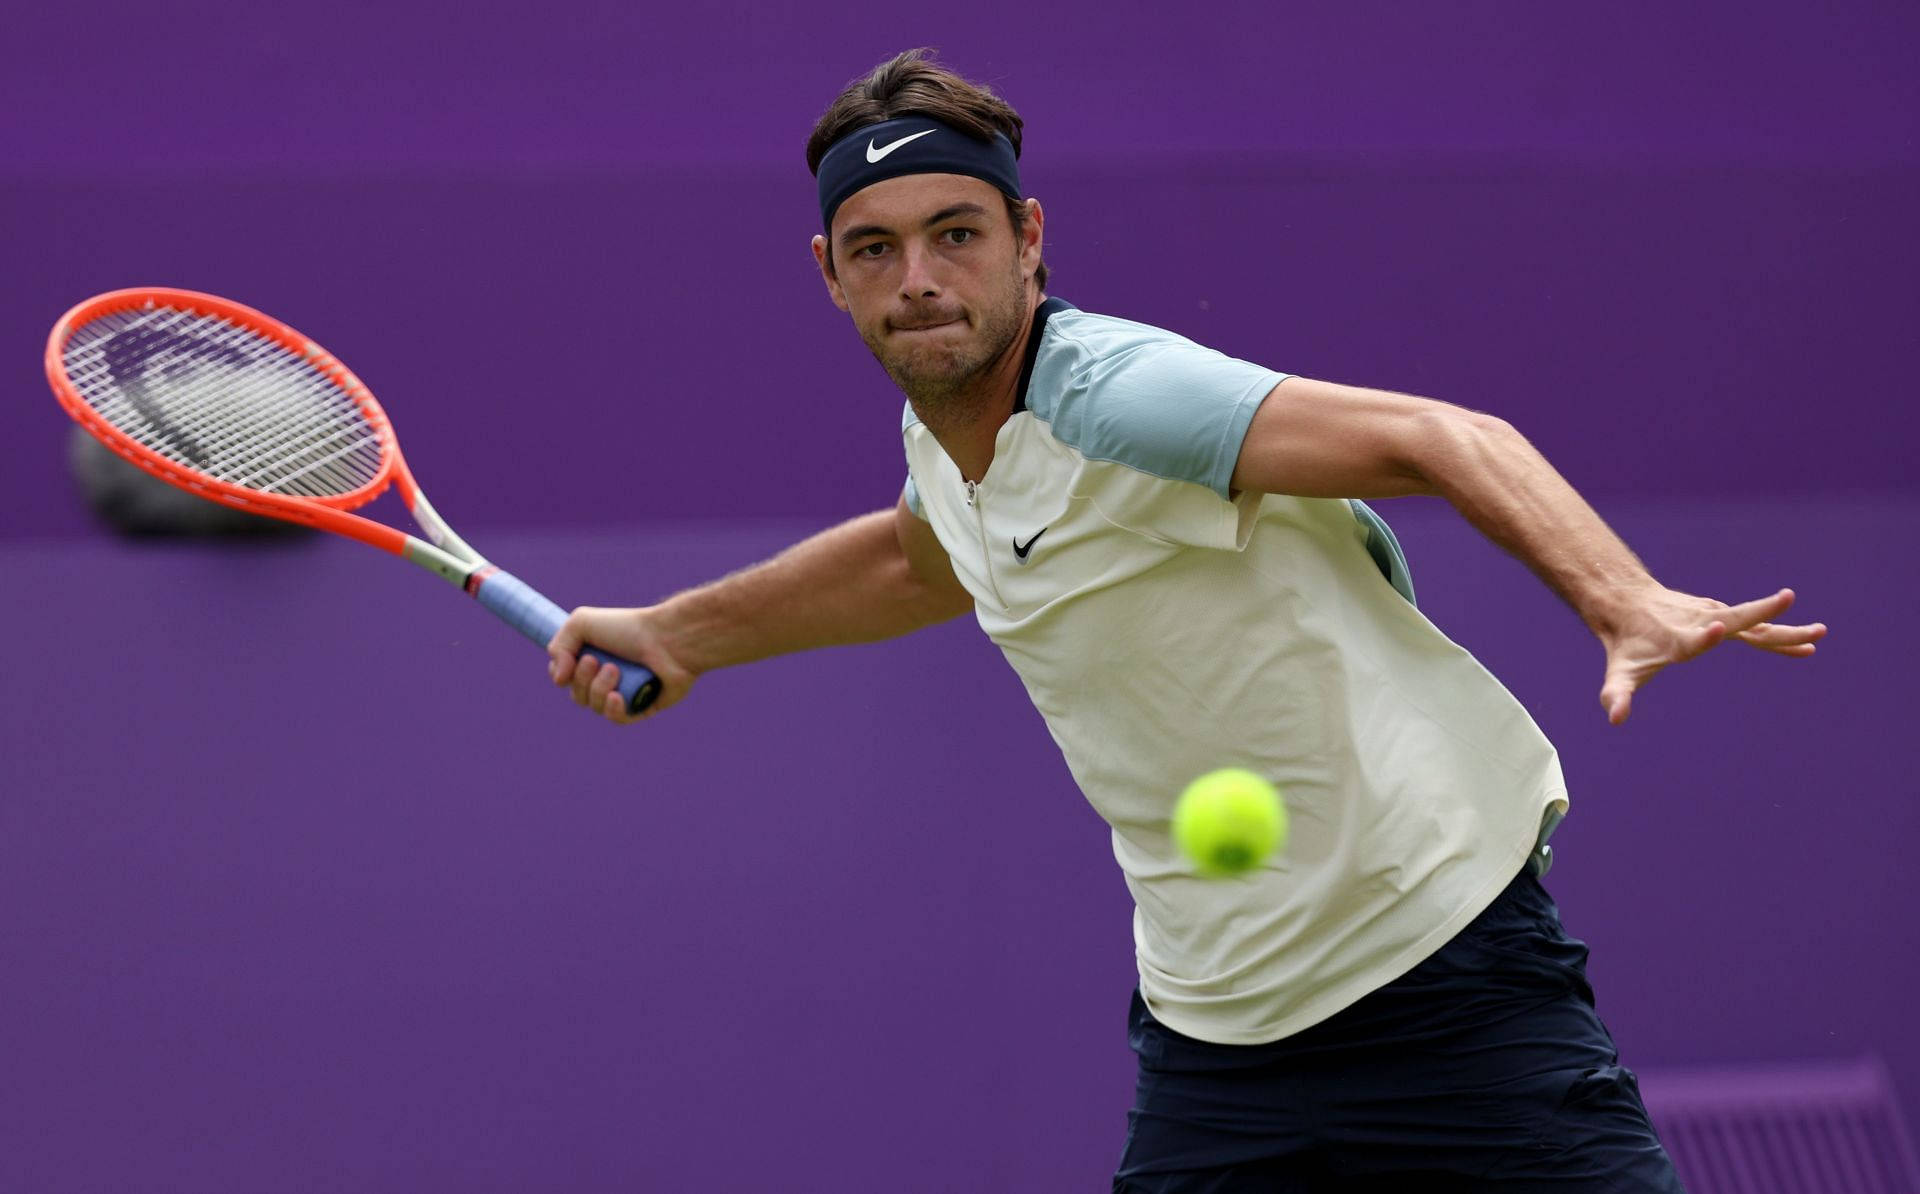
1146, 398
1160, 404
912, 491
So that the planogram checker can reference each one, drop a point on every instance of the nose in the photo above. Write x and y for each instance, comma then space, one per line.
917, 280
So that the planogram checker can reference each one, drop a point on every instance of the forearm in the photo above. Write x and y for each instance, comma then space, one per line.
848, 584
1503, 486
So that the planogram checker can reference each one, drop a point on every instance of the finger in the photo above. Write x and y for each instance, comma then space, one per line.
1772, 635
585, 671
1752, 613
560, 656
614, 709
1797, 650
1708, 637
564, 647
603, 684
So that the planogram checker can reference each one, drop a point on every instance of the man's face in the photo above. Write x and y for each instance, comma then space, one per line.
934, 275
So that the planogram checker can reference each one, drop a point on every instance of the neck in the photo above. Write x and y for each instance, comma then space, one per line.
966, 418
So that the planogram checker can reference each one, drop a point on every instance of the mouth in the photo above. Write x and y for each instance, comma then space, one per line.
926, 327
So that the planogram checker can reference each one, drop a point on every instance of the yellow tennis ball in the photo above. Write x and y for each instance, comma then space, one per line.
1229, 821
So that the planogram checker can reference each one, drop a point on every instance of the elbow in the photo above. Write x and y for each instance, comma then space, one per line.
928, 586
1492, 425
1461, 420
1455, 445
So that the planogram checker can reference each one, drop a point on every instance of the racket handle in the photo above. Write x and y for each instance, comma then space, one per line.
522, 607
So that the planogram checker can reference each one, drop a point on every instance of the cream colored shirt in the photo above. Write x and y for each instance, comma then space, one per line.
1164, 630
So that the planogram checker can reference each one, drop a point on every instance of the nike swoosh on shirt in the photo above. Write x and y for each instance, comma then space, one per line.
1020, 553
874, 155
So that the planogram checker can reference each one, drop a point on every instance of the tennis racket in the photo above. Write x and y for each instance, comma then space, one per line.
239, 408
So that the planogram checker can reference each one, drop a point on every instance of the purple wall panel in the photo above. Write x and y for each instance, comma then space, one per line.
173, 85
1695, 222
1697, 333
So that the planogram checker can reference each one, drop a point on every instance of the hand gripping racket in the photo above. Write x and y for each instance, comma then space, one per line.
239, 408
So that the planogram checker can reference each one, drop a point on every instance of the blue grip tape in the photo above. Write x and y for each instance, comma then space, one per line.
522, 607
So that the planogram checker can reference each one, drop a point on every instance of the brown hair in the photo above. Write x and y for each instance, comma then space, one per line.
913, 84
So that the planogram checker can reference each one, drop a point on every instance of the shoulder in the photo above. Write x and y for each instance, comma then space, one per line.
1073, 341
1104, 332
1142, 396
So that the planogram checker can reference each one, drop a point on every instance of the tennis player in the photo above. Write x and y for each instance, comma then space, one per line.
1171, 548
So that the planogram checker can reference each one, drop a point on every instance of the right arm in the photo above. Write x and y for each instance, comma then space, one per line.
877, 576
1318, 439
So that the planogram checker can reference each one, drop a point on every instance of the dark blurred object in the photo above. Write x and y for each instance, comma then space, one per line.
134, 503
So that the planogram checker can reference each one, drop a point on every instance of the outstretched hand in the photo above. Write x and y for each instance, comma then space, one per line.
1668, 627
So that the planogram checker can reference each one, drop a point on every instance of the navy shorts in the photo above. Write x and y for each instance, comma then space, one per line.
1484, 1068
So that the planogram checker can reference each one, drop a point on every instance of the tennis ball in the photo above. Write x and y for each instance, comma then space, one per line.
1228, 821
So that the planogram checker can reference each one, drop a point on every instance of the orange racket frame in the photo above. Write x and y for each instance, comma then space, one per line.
447, 555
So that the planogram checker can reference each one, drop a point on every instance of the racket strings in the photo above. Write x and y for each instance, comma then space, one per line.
265, 393
258, 429
225, 401
249, 431
216, 445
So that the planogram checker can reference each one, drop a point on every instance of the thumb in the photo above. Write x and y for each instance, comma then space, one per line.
1618, 704
1616, 694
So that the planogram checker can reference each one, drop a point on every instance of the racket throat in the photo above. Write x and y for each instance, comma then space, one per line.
455, 570
438, 531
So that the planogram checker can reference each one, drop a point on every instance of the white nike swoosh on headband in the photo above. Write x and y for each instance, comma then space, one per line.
874, 155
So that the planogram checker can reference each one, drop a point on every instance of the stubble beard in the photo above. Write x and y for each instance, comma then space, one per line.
943, 382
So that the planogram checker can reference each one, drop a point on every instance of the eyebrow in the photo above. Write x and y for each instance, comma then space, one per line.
938, 217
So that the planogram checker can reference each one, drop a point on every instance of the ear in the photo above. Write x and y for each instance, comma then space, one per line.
820, 257
1032, 231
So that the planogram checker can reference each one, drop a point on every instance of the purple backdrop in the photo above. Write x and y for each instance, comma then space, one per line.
806, 934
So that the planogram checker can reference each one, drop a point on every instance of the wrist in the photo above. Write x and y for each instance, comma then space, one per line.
676, 624
1610, 608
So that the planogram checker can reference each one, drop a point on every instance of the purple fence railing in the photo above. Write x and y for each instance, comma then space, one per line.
1812, 1128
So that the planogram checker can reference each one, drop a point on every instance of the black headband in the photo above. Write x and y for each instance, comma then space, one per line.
911, 145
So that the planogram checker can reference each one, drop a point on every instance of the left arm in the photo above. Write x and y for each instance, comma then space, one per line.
1319, 439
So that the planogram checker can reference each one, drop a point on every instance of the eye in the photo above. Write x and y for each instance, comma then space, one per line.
960, 236
871, 251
